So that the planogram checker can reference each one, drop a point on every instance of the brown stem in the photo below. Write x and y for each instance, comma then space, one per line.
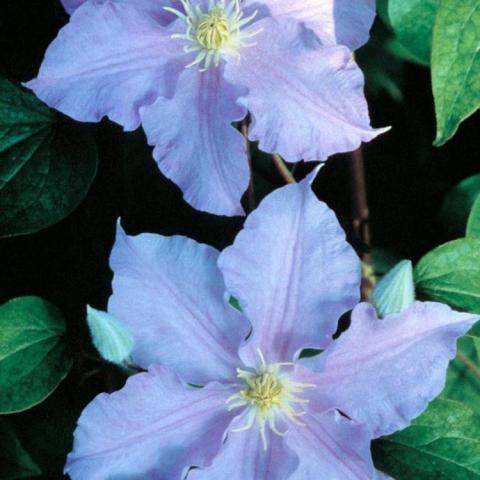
359, 198
469, 364
360, 220
282, 169
251, 189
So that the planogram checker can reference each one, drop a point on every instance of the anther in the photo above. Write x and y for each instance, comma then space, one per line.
269, 393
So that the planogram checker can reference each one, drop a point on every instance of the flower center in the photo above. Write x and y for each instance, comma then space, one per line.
213, 33
264, 390
268, 395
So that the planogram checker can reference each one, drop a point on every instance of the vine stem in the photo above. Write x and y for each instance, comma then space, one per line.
361, 219
283, 169
469, 364
251, 190
361, 214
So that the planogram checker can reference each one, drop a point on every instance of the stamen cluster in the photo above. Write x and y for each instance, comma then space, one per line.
214, 33
269, 394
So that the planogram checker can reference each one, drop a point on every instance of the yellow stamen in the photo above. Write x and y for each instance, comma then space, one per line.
268, 393
213, 31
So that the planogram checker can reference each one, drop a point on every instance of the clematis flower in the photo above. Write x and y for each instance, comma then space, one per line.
227, 393
187, 69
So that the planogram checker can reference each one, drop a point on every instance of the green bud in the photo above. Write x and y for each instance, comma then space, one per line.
396, 290
111, 339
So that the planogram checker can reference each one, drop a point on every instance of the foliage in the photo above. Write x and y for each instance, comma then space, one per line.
451, 274
455, 64
458, 203
441, 444
473, 224
463, 381
15, 460
413, 21
34, 356
444, 34
46, 163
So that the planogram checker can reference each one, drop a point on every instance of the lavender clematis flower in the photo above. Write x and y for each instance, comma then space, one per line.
262, 412
187, 69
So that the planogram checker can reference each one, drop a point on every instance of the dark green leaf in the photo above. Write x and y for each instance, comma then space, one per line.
412, 21
33, 353
463, 378
473, 224
46, 430
442, 444
451, 274
15, 462
383, 260
455, 64
381, 64
458, 204
46, 164
382, 10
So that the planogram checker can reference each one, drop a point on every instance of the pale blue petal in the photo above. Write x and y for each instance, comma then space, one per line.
293, 273
169, 293
306, 101
332, 447
384, 373
71, 5
243, 457
109, 60
195, 144
155, 427
155, 8
336, 22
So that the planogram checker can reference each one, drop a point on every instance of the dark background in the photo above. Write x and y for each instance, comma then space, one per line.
407, 179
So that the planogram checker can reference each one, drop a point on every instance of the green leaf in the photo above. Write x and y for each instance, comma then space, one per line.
15, 461
33, 353
473, 224
383, 260
382, 10
451, 274
412, 22
455, 65
463, 377
46, 163
380, 64
442, 444
46, 430
458, 203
